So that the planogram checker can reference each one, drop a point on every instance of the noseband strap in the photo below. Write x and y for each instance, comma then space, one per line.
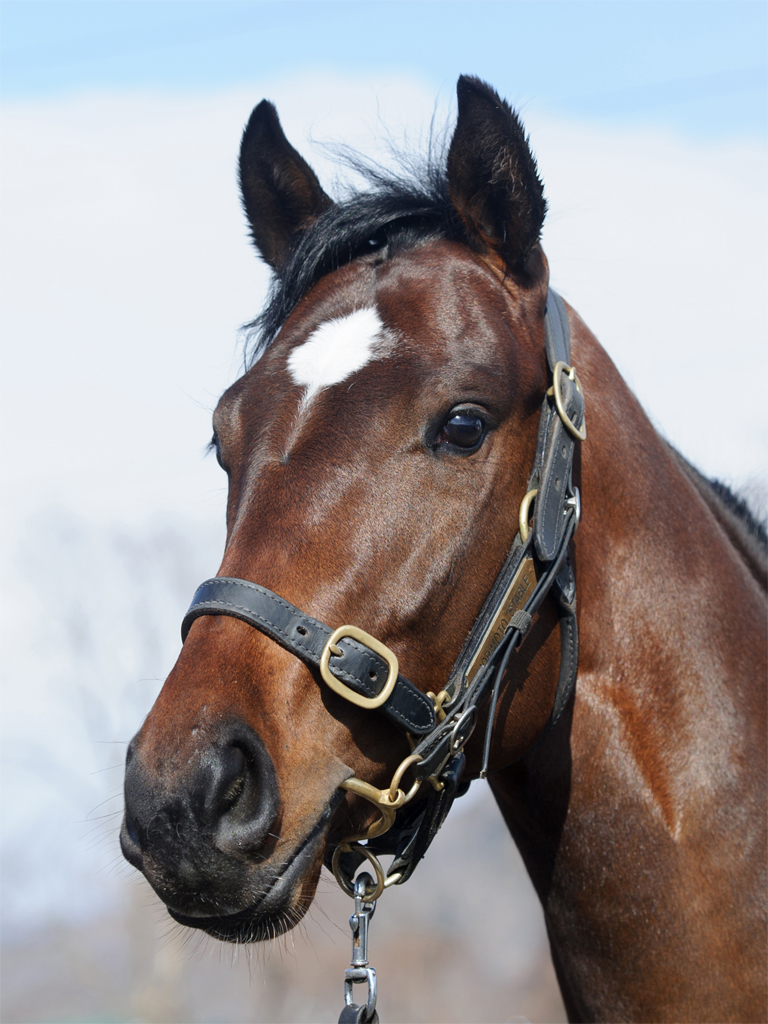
357, 666
536, 566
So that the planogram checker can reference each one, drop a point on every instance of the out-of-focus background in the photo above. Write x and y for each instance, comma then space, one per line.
126, 273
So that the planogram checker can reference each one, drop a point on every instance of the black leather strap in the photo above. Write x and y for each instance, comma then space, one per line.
555, 520
435, 748
557, 331
358, 666
552, 472
555, 446
457, 678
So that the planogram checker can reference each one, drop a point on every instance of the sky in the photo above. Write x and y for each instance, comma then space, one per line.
697, 66
125, 273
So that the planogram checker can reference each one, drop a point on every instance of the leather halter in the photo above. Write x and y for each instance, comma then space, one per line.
365, 672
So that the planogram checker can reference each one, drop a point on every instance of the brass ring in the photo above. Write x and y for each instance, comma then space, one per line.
347, 884
372, 795
394, 786
525, 506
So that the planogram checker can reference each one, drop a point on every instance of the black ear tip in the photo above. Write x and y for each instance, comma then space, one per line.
263, 119
469, 88
468, 82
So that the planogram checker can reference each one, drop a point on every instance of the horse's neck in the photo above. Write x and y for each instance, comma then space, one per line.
641, 816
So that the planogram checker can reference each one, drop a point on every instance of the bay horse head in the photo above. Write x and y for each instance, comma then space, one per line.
404, 413
377, 453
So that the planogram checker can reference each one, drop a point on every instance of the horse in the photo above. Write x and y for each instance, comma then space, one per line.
410, 599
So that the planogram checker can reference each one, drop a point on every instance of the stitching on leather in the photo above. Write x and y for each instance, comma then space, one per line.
416, 695
261, 618
569, 626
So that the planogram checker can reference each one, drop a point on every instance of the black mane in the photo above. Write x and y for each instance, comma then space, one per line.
398, 211
742, 510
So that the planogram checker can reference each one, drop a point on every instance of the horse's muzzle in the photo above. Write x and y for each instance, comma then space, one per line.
199, 822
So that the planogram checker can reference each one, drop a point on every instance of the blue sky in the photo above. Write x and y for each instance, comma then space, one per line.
696, 67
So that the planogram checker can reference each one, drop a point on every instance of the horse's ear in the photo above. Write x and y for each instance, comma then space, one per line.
281, 193
492, 177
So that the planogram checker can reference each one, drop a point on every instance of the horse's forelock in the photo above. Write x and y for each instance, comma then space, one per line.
400, 211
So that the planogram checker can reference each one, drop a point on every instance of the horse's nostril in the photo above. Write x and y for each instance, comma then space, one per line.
130, 842
247, 801
223, 780
130, 830
226, 799
234, 790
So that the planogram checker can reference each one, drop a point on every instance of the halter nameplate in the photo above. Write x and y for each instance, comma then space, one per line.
515, 597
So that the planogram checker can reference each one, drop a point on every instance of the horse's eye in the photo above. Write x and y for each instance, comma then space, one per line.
216, 445
464, 430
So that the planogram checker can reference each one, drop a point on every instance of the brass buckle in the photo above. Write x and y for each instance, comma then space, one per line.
525, 511
377, 647
556, 391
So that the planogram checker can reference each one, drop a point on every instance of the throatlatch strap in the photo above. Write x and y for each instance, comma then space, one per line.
358, 666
